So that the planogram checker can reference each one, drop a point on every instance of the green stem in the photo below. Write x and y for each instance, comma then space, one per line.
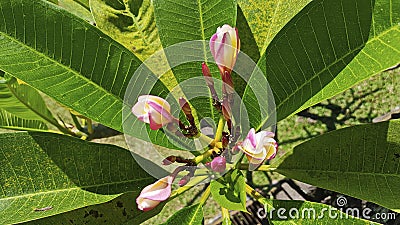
204, 156
89, 126
266, 168
253, 193
205, 195
220, 128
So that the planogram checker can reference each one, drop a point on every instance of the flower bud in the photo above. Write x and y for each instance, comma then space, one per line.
187, 111
258, 147
185, 179
209, 80
218, 164
155, 193
225, 46
153, 110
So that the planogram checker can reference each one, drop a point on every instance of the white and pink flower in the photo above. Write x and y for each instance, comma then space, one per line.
225, 47
258, 147
153, 110
155, 193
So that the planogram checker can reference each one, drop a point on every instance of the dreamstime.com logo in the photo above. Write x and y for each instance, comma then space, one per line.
330, 212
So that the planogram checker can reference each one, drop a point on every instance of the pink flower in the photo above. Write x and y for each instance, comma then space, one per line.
153, 110
218, 164
225, 46
258, 147
155, 193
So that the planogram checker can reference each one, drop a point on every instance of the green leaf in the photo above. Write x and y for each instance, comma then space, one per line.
30, 99
121, 210
77, 8
131, 23
22, 107
248, 44
229, 191
43, 170
382, 51
267, 17
74, 63
180, 21
22, 101
361, 161
311, 50
304, 212
10, 121
191, 215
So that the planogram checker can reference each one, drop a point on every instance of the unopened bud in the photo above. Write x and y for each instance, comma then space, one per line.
236, 149
184, 181
187, 110
209, 81
218, 164
225, 139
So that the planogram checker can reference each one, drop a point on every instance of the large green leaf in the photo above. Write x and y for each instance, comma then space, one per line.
121, 210
311, 50
229, 191
43, 170
361, 161
181, 21
191, 215
267, 17
73, 62
130, 22
304, 212
382, 51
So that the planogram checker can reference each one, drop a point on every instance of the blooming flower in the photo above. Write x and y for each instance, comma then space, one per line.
153, 110
155, 193
258, 147
225, 46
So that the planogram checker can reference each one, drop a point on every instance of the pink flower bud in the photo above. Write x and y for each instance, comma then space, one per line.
218, 164
153, 110
154, 193
258, 147
225, 46
184, 181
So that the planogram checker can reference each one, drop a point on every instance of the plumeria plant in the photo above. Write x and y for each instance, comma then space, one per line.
197, 89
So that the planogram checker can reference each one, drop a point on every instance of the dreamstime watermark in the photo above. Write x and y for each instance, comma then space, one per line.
282, 213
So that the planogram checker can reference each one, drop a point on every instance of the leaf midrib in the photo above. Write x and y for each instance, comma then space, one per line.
75, 188
195, 213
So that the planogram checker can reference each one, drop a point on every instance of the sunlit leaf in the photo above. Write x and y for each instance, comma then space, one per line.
361, 161
45, 174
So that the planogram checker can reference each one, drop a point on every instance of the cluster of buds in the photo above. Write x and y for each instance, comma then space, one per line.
257, 147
